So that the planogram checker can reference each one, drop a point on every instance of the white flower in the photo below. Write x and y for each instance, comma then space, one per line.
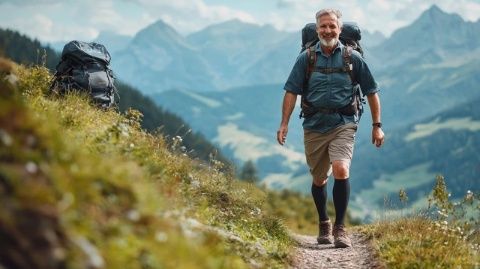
133, 215
31, 167
161, 237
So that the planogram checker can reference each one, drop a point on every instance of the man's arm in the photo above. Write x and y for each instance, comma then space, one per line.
378, 136
287, 108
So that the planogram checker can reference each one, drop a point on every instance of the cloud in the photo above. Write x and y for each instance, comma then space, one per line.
285, 4
372, 15
29, 2
188, 16
85, 19
67, 20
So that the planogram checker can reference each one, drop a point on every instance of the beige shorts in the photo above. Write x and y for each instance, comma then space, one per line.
323, 148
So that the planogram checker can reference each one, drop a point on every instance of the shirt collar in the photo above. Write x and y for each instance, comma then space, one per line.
318, 47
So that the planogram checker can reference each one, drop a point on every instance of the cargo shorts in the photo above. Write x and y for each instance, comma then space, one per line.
323, 148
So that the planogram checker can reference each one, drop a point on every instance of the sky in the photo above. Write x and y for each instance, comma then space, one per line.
63, 20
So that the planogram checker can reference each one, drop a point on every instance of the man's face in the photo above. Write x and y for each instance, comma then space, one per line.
328, 30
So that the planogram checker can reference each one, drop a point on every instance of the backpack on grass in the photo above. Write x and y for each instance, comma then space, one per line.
350, 38
85, 67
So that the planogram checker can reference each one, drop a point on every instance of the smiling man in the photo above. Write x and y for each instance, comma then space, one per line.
329, 132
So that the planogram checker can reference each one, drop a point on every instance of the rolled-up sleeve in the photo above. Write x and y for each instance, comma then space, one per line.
296, 79
364, 76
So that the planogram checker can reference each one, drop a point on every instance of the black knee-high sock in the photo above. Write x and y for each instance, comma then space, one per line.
341, 194
320, 198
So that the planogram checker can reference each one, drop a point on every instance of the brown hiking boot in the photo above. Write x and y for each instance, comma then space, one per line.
325, 234
340, 237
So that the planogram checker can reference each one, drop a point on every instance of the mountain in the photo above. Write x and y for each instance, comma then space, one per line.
411, 93
446, 143
234, 48
24, 50
222, 56
112, 41
434, 37
243, 121
158, 58
371, 39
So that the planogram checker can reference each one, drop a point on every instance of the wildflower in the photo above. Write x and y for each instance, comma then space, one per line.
31, 167
5, 138
469, 196
161, 237
133, 215
442, 213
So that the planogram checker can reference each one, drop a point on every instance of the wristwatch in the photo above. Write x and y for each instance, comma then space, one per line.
377, 124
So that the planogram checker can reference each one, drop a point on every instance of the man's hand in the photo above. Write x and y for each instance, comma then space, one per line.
378, 137
282, 134
287, 107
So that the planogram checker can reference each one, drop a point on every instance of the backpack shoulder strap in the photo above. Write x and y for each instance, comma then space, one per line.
312, 59
347, 62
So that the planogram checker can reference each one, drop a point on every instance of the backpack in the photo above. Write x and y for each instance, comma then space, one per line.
85, 67
349, 37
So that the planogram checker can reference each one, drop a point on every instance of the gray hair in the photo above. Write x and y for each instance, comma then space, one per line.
330, 11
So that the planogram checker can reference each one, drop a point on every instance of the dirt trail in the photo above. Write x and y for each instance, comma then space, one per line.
312, 255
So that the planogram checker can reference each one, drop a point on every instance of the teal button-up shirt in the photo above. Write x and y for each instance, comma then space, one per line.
332, 90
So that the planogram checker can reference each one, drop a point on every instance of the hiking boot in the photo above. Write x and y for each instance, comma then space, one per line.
340, 237
325, 234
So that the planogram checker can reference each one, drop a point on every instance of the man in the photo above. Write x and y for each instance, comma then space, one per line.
328, 134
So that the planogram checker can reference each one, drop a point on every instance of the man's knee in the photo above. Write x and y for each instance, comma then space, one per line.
318, 181
341, 169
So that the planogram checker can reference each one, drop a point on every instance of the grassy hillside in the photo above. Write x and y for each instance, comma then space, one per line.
81, 187
24, 50
446, 143
445, 236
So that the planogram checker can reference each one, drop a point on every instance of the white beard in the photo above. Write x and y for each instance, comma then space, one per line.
328, 44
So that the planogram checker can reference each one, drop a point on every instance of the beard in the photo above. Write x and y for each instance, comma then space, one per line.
328, 44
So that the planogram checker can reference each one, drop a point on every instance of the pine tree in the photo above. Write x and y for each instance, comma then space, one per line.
249, 172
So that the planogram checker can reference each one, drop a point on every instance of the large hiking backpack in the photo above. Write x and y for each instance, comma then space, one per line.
350, 38
84, 67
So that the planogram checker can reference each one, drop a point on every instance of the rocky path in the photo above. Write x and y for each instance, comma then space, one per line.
312, 255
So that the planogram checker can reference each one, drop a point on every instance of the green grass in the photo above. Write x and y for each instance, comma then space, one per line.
443, 236
417, 242
105, 193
